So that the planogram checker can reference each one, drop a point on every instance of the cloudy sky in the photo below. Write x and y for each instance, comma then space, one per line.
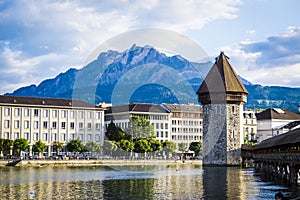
40, 39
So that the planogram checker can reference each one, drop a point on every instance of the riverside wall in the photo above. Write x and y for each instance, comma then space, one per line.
39, 163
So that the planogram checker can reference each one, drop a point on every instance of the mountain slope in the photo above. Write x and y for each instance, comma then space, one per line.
142, 74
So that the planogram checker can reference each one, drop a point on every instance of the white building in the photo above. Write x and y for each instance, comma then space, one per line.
186, 123
249, 126
49, 120
173, 122
158, 116
274, 121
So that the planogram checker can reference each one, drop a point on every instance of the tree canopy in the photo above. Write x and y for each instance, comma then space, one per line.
196, 147
140, 127
75, 146
39, 147
20, 144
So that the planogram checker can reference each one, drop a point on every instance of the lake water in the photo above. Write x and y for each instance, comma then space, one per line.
187, 181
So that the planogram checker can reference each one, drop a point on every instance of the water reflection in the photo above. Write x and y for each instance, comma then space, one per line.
133, 182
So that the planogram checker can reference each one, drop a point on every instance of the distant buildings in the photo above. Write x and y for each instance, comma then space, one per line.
274, 121
173, 122
49, 120
249, 126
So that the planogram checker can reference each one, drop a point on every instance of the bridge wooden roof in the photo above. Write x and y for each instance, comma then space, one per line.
291, 137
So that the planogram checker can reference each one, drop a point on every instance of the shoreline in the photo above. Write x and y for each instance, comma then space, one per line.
56, 163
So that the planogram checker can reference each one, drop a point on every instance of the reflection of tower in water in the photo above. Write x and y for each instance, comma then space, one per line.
222, 95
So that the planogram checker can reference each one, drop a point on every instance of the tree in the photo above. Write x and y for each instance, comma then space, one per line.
75, 146
169, 147
114, 133
57, 146
93, 147
126, 145
196, 147
182, 147
20, 145
142, 146
140, 127
7, 145
1, 146
155, 145
39, 147
109, 147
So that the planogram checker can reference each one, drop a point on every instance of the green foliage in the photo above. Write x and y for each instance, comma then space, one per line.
155, 145
114, 133
93, 147
109, 147
169, 146
142, 146
140, 127
182, 147
126, 145
196, 147
75, 146
39, 147
57, 146
20, 144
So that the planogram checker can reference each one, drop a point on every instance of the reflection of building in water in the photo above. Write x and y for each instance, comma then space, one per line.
224, 183
183, 183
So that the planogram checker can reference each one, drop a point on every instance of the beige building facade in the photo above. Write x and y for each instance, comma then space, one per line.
50, 120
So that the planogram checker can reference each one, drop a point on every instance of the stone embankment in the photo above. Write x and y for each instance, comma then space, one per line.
38, 163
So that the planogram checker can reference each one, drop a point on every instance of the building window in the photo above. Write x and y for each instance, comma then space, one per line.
63, 137
36, 124
98, 126
90, 115
81, 114
54, 136
45, 124
7, 111
35, 112
72, 125
166, 134
54, 125
26, 124
36, 136
17, 135
54, 113
97, 137
64, 114
166, 125
17, 112
26, 135
45, 136
6, 124
72, 115
17, 124
161, 134
89, 137
46, 113
81, 137
26, 112
63, 125
6, 135
98, 115
73, 136
89, 125
81, 125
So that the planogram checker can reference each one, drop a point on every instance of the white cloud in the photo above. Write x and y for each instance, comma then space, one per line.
47, 37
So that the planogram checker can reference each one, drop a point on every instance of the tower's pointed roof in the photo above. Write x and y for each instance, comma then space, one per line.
222, 78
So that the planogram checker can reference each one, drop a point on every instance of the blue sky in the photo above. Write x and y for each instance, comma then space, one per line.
40, 39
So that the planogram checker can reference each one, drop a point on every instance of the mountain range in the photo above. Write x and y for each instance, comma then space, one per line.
145, 75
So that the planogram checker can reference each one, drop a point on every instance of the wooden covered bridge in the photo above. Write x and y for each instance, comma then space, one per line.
279, 155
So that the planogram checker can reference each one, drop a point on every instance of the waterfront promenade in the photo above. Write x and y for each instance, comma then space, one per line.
40, 163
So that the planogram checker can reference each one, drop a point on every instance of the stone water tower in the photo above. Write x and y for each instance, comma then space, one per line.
222, 95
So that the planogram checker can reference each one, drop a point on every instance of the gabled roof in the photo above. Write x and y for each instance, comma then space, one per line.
290, 137
34, 101
277, 113
222, 78
137, 107
183, 108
